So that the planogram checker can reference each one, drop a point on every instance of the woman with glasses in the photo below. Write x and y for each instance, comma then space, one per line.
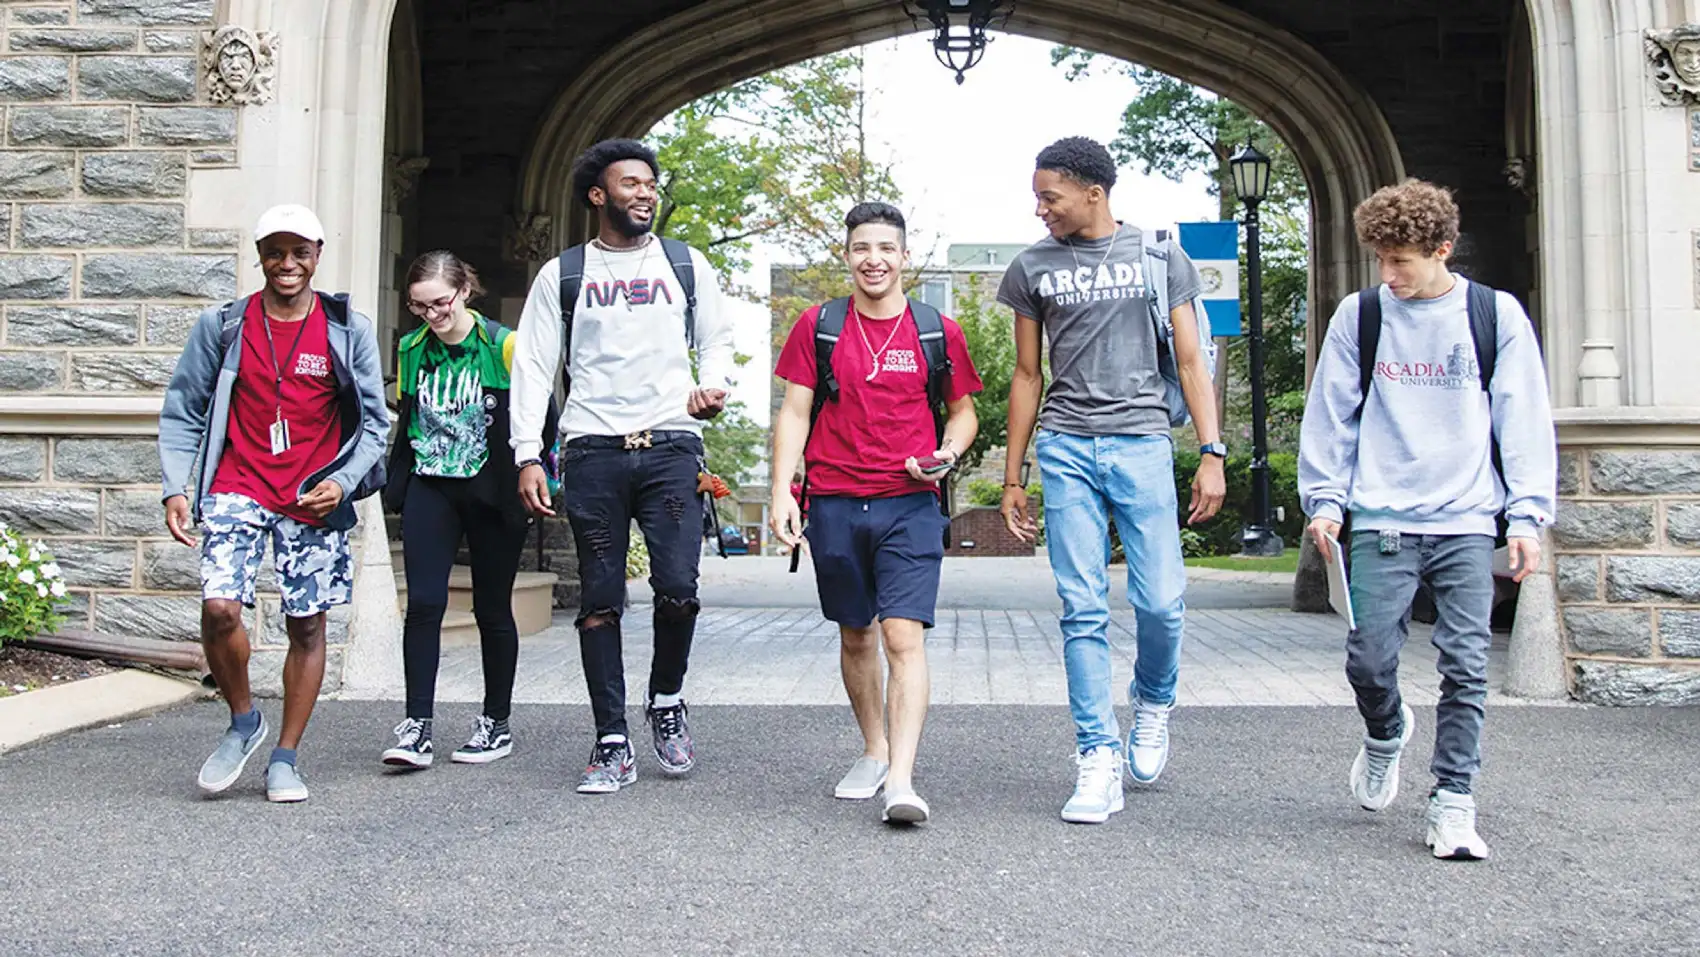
451, 474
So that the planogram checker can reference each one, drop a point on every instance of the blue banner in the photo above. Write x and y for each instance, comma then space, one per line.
1215, 249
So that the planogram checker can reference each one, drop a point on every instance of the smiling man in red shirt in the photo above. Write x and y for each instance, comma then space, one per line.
875, 452
275, 423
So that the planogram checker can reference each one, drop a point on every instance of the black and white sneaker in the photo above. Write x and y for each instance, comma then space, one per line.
413, 745
491, 741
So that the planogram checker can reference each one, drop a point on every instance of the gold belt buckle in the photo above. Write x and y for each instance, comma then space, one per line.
640, 440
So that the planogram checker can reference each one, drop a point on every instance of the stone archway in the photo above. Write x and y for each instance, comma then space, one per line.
1341, 140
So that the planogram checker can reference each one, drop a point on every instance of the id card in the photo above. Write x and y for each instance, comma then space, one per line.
280, 436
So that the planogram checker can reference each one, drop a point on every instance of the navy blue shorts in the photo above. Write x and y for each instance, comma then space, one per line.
877, 558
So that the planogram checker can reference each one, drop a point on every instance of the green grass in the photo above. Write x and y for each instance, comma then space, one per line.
1288, 562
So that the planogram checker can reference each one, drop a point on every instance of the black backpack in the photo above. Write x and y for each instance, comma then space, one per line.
1483, 307
572, 277
829, 326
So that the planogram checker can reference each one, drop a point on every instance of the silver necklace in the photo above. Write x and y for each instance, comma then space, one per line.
1107, 250
861, 326
601, 253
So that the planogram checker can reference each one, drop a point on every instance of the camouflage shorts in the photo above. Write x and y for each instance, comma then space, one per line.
314, 568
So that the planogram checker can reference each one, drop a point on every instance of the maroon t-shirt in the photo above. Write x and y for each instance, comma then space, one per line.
307, 400
858, 446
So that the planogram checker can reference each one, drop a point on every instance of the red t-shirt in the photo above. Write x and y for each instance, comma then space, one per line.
859, 444
308, 403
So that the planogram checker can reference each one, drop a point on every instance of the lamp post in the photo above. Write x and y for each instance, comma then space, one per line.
959, 28
1251, 185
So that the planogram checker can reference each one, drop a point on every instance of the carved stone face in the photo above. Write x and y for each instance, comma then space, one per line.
236, 64
1685, 59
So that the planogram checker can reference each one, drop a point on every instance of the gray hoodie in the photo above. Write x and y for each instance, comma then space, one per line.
1419, 461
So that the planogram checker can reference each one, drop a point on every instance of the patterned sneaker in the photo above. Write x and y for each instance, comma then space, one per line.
1452, 828
612, 767
413, 745
491, 741
284, 784
225, 764
1375, 772
673, 746
1097, 788
1148, 741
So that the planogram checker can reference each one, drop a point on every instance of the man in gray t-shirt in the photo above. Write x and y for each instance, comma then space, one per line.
1105, 452
1091, 297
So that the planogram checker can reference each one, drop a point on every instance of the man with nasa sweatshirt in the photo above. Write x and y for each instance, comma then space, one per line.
1412, 458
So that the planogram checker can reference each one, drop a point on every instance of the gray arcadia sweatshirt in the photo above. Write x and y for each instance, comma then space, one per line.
1419, 460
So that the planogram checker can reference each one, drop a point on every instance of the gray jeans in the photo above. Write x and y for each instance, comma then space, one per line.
1459, 571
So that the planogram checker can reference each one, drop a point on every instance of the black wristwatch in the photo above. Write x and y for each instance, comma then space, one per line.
523, 464
1214, 448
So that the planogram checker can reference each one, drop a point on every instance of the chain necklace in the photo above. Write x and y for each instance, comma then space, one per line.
627, 286
1109, 249
861, 326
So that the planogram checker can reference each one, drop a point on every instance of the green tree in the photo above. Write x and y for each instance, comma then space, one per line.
989, 329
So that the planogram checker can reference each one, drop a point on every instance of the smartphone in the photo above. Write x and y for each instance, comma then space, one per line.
932, 465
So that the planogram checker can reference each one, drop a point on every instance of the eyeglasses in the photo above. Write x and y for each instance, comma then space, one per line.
428, 308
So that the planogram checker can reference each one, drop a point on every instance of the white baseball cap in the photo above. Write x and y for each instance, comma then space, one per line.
298, 220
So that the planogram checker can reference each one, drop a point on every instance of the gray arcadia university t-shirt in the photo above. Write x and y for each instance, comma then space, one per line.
1092, 300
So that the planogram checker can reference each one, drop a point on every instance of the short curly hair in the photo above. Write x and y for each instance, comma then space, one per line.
1414, 213
593, 162
1083, 160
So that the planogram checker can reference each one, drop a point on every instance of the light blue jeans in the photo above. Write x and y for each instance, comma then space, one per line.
1087, 480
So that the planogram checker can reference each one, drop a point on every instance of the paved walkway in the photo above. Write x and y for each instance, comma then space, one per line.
761, 640
1250, 844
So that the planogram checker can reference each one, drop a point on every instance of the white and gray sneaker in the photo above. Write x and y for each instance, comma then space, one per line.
284, 784
225, 764
1097, 788
1148, 741
413, 745
491, 741
1452, 828
905, 807
1375, 771
863, 781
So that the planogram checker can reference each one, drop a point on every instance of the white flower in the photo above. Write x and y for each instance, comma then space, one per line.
41, 590
2, 598
35, 554
50, 570
27, 576
12, 559
58, 589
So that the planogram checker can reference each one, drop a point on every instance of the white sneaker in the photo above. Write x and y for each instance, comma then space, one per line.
1148, 741
1375, 771
1097, 788
1452, 828
905, 807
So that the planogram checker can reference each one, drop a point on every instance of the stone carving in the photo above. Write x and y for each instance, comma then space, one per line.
1675, 58
239, 65
403, 177
531, 238
1518, 175
1694, 138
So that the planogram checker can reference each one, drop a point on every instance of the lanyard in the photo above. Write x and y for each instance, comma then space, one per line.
277, 369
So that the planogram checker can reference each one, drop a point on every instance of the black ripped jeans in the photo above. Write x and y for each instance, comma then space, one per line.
606, 485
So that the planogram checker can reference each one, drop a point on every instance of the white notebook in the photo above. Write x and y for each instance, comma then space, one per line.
1339, 595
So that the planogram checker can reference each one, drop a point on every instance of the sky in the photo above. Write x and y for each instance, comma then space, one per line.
963, 157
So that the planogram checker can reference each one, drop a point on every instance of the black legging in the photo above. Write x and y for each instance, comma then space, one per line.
435, 514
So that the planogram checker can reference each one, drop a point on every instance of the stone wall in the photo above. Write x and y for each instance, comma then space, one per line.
102, 273
1627, 563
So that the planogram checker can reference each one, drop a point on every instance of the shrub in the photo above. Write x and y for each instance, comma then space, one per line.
637, 557
31, 588
1222, 534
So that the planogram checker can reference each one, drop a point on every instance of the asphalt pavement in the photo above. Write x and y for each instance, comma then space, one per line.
1249, 845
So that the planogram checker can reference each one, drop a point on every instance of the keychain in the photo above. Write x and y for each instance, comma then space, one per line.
1389, 541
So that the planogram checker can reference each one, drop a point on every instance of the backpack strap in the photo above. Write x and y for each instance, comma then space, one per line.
829, 325
1369, 339
930, 326
572, 277
685, 268
230, 319
1483, 305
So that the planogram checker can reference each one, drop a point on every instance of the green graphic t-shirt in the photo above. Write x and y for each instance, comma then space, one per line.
451, 408
447, 430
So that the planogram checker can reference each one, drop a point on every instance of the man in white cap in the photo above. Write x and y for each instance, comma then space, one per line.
273, 426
